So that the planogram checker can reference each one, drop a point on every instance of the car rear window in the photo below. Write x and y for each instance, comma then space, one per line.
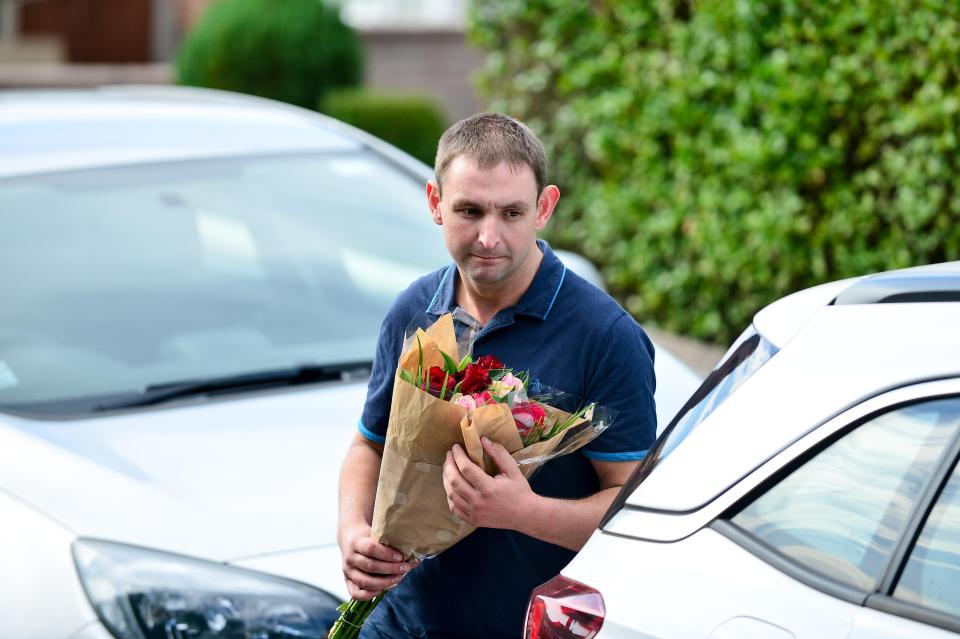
748, 353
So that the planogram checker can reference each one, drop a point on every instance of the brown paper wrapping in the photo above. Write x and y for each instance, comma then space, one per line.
411, 512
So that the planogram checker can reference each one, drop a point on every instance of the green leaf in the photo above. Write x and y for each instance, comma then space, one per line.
420, 372
407, 376
449, 366
466, 361
443, 389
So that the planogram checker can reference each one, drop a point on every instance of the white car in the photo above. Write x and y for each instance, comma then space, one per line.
809, 489
192, 286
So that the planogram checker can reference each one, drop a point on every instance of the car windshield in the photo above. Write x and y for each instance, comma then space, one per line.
117, 279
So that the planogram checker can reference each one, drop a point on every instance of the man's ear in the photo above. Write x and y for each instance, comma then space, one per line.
546, 203
433, 201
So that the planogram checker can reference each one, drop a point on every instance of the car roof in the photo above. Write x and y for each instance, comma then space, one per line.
45, 131
839, 355
780, 320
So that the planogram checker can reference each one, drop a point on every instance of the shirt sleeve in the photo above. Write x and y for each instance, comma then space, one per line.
376, 410
623, 380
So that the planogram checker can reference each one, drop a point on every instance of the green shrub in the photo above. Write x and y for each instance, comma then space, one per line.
715, 155
412, 123
289, 50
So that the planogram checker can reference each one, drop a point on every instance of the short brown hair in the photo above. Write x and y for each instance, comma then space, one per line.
489, 139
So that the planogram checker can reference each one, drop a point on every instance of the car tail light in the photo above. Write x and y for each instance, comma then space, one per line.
564, 609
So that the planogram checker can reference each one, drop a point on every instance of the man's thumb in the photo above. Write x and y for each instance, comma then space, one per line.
504, 460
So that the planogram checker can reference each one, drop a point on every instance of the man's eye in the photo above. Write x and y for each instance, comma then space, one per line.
513, 213
470, 211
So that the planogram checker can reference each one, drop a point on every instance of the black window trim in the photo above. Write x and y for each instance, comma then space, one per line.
880, 598
743, 351
925, 504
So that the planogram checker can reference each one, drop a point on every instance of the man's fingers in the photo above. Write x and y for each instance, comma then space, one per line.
453, 480
373, 583
462, 515
370, 548
376, 567
458, 502
470, 471
359, 593
504, 460
364, 589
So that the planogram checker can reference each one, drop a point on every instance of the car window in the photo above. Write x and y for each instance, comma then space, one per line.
931, 576
121, 278
841, 513
744, 358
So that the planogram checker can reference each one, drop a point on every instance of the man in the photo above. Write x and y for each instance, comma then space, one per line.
519, 303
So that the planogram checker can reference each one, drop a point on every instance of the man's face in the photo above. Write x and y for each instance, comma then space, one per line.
490, 218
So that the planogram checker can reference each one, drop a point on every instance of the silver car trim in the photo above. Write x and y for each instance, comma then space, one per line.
900, 608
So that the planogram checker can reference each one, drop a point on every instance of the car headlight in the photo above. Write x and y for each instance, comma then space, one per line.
146, 594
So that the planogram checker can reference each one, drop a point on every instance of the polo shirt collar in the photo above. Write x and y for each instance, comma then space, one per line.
536, 302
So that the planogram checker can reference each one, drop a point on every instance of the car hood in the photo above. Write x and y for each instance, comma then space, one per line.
216, 479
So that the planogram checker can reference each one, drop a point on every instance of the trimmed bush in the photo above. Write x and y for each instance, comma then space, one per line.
293, 50
715, 155
409, 122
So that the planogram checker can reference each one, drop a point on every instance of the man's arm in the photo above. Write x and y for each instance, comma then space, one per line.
507, 501
368, 567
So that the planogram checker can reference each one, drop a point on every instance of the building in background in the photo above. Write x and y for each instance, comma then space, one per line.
411, 45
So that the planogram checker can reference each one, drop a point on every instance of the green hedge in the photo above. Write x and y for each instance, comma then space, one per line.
289, 50
410, 122
715, 155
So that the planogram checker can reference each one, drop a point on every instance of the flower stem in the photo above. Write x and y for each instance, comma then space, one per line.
352, 616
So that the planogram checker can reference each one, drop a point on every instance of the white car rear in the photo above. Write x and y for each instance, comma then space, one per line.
810, 488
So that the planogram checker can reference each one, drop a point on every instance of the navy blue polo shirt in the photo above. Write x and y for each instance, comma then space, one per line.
571, 336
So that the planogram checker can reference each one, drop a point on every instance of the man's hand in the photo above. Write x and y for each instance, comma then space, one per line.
370, 568
481, 500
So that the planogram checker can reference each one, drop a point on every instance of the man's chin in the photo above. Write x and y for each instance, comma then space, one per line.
488, 274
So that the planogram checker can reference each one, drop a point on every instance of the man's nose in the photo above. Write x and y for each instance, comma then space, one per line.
489, 231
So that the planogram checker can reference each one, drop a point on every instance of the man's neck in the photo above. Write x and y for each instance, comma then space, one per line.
483, 302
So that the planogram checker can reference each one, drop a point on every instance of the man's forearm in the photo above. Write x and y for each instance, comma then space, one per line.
358, 484
566, 522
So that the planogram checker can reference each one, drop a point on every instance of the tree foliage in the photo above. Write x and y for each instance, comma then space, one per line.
290, 50
715, 155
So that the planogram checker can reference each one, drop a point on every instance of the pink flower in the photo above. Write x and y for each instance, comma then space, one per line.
484, 398
466, 401
528, 415
506, 384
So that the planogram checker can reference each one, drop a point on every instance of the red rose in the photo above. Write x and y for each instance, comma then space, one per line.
490, 362
474, 379
436, 379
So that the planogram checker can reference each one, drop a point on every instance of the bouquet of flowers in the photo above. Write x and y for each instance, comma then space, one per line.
441, 399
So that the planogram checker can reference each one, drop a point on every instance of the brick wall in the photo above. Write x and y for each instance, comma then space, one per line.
434, 62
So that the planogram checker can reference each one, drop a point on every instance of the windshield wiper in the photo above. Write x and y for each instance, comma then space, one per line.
305, 374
